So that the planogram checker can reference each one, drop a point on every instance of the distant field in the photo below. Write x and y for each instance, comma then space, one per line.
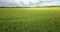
29, 19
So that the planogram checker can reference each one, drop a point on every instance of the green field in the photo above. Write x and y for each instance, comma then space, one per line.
29, 19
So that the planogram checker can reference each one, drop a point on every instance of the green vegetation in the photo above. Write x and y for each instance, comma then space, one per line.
47, 6
29, 19
35, 7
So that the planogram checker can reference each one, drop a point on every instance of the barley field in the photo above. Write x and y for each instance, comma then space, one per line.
29, 19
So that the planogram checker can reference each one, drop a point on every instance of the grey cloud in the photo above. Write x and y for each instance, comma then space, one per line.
13, 3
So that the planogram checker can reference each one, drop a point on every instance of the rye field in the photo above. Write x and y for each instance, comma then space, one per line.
29, 19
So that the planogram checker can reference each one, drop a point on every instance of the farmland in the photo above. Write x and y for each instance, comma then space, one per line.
30, 19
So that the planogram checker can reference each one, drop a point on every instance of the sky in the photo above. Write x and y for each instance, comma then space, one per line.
28, 3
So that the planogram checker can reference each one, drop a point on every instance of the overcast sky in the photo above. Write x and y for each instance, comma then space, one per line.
22, 3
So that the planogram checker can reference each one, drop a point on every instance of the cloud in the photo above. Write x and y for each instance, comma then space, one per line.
20, 3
